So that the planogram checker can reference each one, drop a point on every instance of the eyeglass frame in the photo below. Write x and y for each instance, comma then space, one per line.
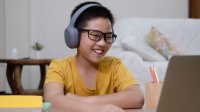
103, 35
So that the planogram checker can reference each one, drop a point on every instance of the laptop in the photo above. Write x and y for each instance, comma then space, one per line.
181, 88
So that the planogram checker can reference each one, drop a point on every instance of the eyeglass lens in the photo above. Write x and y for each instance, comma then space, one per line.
97, 36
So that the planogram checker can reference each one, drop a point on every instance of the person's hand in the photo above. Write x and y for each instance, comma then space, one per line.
96, 107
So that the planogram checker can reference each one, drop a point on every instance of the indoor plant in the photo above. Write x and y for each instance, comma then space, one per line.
37, 47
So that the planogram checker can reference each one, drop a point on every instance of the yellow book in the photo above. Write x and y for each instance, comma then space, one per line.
19, 103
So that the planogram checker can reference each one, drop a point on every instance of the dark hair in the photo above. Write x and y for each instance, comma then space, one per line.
90, 13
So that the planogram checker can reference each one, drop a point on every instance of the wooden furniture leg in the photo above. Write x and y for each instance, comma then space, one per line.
17, 79
10, 76
42, 76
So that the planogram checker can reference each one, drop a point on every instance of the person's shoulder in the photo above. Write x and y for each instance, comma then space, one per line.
62, 61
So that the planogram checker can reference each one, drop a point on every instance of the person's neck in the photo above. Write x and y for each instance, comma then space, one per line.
86, 64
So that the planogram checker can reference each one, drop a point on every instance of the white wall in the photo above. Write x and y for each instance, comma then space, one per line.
2, 28
2, 41
27, 21
148, 8
17, 32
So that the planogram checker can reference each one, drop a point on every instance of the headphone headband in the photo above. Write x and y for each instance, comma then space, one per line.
79, 11
72, 37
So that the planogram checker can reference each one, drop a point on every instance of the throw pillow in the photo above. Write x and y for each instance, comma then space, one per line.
140, 47
161, 43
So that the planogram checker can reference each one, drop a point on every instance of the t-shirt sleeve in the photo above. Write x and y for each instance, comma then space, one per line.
55, 73
123, 77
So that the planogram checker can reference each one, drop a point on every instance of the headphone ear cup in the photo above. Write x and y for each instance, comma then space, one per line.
77, 37
72, 38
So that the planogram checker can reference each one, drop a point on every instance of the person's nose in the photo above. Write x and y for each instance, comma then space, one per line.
101, 42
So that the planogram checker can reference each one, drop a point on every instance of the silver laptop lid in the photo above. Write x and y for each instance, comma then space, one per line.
181, 89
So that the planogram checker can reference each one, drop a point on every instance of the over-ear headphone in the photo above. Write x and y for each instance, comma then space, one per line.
72, 37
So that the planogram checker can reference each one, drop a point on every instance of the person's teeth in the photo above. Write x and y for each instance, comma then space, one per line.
98, 51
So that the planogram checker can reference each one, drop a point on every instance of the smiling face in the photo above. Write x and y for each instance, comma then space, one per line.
93, 51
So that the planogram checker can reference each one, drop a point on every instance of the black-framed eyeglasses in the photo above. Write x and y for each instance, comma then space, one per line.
97, 35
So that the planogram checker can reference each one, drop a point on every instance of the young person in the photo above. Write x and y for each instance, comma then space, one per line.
91, 81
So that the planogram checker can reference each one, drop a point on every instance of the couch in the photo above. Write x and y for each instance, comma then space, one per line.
135, 51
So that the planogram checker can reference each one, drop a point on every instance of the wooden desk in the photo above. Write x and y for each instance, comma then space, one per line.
133, 110
14, 72
140, 110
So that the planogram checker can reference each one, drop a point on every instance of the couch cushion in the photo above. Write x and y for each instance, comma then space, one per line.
184, 32
161, 43
141, 48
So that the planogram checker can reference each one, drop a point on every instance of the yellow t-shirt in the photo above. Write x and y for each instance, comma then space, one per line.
112, 76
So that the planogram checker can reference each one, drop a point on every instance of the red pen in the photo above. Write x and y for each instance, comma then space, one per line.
152, 72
